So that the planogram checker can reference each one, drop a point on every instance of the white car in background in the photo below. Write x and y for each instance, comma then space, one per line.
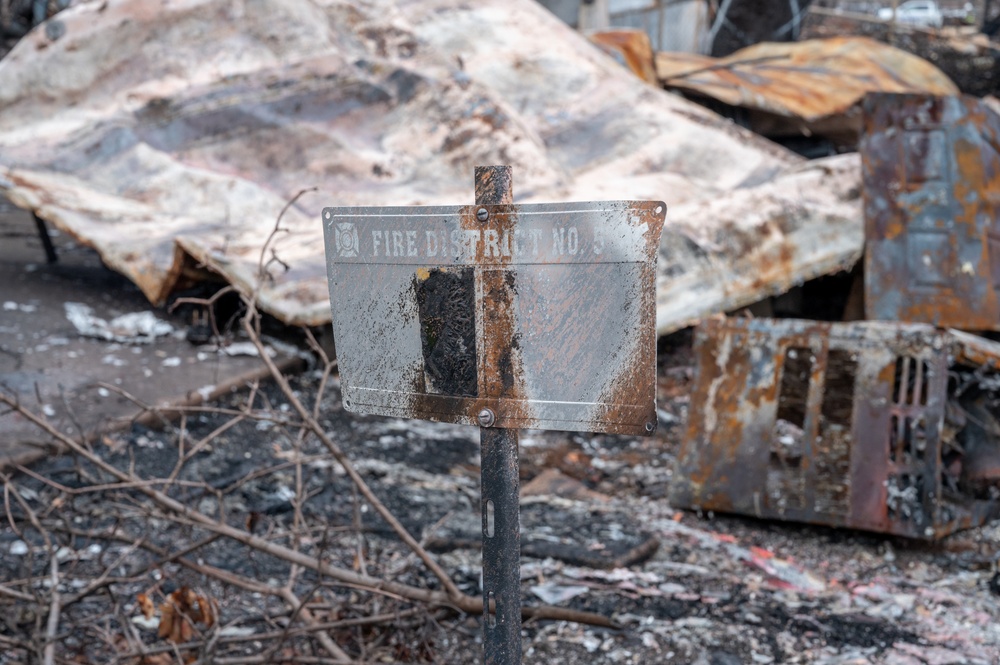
915, 12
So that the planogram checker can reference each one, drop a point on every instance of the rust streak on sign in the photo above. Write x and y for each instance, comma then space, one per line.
876, 426
500, 374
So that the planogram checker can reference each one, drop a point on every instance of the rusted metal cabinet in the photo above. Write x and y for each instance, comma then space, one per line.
839, 424
931, 177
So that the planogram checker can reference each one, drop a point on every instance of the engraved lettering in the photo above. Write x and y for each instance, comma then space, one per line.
411, 243
598, 242
505, 244
491, 243
432, 244
572, 240
559, 241
397, 243
536, 235
472, 241
376, 241
456, 243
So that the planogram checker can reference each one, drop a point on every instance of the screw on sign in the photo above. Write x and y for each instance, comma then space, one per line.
501, 316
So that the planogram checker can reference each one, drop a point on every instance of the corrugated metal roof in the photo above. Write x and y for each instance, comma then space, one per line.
809, 80
180, 144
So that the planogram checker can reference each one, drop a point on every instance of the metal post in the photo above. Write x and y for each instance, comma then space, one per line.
500, 485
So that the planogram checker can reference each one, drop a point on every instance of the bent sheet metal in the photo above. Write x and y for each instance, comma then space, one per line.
543, 314
871, 425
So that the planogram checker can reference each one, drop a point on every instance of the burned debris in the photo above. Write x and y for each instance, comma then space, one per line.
890, 424
836, 437
868, 425
809, 89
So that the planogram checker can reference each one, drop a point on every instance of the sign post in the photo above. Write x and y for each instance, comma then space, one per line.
500, 483
503, 316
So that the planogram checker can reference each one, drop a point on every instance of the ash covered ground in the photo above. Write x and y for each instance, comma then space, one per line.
598, 534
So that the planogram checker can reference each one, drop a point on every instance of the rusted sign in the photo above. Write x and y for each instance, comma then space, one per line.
879, 426
931, 174
541, 314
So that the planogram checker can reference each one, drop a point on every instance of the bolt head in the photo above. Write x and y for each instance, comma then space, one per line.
486, 418
650, 427
482, 214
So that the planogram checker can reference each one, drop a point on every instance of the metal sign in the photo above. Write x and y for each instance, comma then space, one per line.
537, 316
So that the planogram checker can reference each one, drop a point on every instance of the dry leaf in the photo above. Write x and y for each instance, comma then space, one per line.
145, 605
183, 610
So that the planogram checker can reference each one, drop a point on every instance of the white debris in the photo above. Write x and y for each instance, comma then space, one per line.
171, 362
18, 548
48, 410
151, 624
553, 594
246, 349
132, 328
236, 631
11, 306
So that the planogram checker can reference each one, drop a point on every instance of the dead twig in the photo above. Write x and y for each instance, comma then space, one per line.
311, 423
52, 625
14, 593
322, 636
190, 516
261, 265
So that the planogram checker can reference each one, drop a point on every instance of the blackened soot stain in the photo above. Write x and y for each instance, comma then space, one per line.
508, 277
446, 306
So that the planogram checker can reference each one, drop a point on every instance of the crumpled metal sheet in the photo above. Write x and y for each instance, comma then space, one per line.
808, 80
631, 47
170, 136
723, 254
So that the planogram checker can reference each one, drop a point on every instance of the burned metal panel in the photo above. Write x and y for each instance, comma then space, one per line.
836, 424
542, 313
931, 175
808, 80
181, 149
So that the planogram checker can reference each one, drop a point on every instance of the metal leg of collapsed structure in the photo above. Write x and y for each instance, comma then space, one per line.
500, 484
43, 234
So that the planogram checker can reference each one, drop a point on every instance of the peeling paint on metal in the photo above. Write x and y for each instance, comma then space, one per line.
931, 174
809, 80
849, 425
